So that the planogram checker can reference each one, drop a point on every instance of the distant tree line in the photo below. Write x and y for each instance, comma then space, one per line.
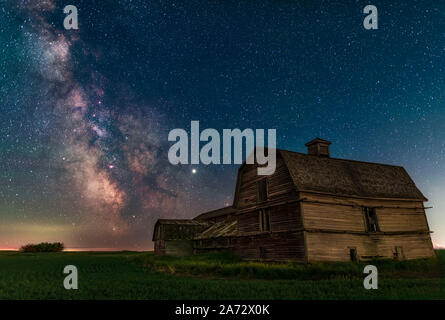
43, 247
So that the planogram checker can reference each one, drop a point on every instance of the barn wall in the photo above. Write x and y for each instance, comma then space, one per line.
219, 244
414, 245
333, 217
311, 196
345, 214
401, 219
335, 246
159, 247
279, 184
281, 246
178, 247
283, 217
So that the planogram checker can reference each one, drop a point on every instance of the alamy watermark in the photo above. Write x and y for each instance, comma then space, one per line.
371, 280
71, 21
71, 281
370, 22
210, 153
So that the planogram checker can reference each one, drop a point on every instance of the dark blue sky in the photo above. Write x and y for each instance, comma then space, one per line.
86, 113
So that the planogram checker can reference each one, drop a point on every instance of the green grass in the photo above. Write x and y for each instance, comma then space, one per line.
228, 266
129, 275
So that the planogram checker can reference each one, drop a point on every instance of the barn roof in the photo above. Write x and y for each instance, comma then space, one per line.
180, 222
220, 229
215, 213
198, 229
179, 228
349, 177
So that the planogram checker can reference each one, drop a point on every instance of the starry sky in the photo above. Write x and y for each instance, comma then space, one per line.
85, 114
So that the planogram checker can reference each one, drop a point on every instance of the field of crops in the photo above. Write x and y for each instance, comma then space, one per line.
130, 275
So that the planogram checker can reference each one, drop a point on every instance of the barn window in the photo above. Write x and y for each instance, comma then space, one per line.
262, 190
371, 219
398, 253
264, 217
353, 254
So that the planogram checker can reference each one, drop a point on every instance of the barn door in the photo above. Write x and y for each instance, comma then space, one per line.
353, 253
398, 253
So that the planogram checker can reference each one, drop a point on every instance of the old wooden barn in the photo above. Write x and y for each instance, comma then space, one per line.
313, 208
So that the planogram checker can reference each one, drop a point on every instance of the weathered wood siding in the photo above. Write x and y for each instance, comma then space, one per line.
336, 224
178, 247
278, 246
346, 214
324, 246
175, 238
279, 185
285, 240
173, 247
218, 244
159, 247
402, 219
414, 245
282, 218
333, 217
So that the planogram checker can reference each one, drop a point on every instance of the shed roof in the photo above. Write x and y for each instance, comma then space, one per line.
215, 213
226, 228
349, 177
180, 221
188, 228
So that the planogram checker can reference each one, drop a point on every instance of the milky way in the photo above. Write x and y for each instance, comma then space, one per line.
106, 179
86, 113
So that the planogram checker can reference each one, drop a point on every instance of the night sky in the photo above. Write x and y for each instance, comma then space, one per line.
85, 114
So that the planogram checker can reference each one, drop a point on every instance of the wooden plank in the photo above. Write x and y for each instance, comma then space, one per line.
335, 247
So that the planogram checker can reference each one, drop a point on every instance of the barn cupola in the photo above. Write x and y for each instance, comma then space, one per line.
318, 147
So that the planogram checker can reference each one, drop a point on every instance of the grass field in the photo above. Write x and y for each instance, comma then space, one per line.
130, 275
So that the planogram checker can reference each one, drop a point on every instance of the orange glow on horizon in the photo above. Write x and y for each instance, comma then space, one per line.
86, 249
